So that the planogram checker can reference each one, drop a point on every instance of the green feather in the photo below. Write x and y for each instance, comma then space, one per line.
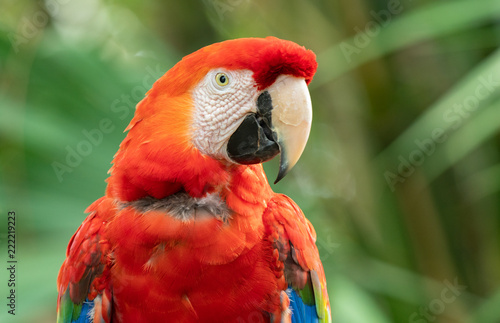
77, 309
68, 311
307, 294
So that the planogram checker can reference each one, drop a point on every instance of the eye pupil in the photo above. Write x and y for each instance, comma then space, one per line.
222, 79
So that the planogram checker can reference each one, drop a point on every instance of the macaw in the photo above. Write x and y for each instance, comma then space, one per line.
189, 229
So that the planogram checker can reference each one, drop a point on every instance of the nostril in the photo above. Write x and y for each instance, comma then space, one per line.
264, 103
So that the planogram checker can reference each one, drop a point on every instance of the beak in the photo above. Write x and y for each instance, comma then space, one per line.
281, 124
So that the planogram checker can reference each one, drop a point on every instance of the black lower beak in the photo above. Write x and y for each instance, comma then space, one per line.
253, 142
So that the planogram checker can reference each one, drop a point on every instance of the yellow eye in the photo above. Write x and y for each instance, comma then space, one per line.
222, 79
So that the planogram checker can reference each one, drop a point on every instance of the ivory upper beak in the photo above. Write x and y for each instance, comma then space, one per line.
291, 119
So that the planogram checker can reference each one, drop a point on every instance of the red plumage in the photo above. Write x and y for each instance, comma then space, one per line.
163, 118
151, 267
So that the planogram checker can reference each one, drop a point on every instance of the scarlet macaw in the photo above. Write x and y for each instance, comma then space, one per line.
189, 229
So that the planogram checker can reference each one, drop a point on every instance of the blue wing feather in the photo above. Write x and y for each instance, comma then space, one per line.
301, 313
84, 317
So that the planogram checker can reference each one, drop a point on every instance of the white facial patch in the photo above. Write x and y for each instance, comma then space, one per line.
220, 108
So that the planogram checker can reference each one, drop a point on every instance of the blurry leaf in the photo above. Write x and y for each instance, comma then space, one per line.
351, 304
482, 183
428, 22
488, 311
442, 117
468, 138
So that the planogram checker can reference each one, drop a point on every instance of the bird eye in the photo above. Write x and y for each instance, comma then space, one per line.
222, 79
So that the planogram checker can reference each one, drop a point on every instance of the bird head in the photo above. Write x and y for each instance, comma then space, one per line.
238, 102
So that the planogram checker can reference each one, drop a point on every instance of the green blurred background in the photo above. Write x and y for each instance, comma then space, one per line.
401, 175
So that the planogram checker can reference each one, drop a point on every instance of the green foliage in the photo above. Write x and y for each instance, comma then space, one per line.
401, 175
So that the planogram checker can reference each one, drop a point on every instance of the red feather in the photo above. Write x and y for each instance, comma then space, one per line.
148, 265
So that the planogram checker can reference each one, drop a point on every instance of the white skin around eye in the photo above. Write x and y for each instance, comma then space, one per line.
220, 109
